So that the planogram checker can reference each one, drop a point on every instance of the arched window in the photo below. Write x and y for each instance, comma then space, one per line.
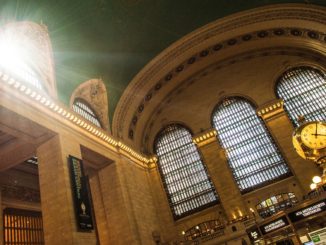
185, 178
252, 154
303, 90
83, 109
276, 203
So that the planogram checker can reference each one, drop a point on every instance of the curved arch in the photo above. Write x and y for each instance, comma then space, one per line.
252, 154
201, 48
178, 161
94, 93
303, 89
232, 96
164, 126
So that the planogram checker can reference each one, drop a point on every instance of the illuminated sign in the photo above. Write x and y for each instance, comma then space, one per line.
308, 211
274, 225
80, 194
253, 233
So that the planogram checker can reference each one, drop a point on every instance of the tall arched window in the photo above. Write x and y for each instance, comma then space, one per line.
83, 109
185, 178
252, 154
303, 90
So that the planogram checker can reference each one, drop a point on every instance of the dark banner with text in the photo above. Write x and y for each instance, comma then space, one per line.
312, 209
274, 225
80, 194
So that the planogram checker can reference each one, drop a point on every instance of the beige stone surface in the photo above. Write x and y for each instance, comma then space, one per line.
216, 162
56, 197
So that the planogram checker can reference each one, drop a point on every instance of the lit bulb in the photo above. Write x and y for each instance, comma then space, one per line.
316, 179
313, 186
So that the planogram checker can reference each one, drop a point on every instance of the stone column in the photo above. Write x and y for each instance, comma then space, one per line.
59, 221
121, 223
281, 128
221, 175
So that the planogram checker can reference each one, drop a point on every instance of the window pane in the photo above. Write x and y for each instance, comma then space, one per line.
252, 154
85, 111
185, 178
303, 90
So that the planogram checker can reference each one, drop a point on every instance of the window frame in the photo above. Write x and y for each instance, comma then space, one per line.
83, 101
269, 135
163, 178
278, 81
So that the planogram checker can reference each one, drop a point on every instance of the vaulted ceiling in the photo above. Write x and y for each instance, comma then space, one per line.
115, 39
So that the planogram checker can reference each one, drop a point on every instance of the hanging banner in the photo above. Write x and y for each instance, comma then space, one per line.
80, 194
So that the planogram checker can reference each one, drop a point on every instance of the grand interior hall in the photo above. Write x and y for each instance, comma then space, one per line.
161, 122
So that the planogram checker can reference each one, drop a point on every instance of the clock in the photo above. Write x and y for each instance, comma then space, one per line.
309, 140
313, 135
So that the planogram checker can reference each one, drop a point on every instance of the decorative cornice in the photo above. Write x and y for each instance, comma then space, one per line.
205, 137
216, 50
286, 12
53, 109
271, 109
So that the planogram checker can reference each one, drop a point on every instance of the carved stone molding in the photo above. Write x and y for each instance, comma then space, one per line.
149, 75
193, 78
271, 109
205, 137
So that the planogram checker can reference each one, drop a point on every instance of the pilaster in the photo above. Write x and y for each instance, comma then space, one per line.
220, 173
122, 228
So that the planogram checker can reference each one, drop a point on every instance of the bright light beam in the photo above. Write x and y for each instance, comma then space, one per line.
16, 57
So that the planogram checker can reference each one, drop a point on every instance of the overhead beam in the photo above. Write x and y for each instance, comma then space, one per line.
15, 154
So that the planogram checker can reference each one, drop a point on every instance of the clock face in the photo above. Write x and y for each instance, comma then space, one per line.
313, 135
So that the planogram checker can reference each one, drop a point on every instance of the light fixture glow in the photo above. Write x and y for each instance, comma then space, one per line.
313, 186
316, 179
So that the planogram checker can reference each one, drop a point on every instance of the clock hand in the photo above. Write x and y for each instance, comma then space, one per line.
316, 130
319, 134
